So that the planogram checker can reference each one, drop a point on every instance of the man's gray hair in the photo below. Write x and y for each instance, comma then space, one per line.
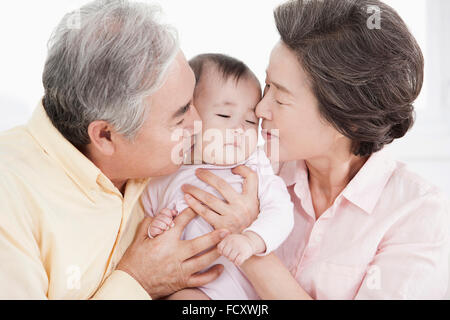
104, 67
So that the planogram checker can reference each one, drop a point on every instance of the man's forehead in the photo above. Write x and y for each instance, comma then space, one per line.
177, 89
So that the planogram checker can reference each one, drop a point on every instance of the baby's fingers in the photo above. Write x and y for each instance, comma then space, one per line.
167, 221
221, 246
233, 255
241, 258
226, 251
169, 213
161, 223
154, 231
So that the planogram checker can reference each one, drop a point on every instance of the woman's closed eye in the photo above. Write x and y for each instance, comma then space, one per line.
251, 122
223, 116
266, 89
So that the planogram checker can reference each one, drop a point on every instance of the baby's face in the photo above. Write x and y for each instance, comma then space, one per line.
227, 110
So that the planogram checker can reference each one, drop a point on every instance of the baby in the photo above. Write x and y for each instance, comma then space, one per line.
225, 97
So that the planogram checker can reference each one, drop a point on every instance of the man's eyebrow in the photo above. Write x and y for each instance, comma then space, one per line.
181, 111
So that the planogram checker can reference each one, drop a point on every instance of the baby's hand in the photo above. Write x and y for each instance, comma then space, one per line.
161, 222
237, 248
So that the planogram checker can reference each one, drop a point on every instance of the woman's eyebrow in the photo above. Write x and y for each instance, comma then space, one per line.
281, 88
278, 86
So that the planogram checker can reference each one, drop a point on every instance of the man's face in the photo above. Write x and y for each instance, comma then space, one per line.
151, 153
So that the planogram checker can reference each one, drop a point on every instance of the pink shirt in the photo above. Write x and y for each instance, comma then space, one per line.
385, 237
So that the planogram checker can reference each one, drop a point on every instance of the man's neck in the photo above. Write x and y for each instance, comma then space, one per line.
120, 184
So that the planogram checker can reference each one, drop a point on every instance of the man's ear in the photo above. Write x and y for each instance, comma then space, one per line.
101, 135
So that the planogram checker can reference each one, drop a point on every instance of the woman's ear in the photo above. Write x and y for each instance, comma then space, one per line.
101, 134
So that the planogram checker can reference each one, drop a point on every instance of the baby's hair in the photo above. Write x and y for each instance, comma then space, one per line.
226, 65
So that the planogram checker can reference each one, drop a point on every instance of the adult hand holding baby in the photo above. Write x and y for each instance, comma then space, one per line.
237, 212
166, 264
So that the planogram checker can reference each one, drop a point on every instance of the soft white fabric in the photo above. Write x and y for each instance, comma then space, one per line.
274, 222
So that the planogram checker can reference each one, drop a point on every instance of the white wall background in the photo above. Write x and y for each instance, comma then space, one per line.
245, 29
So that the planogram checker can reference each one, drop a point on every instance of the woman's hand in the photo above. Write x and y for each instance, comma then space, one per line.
237, 212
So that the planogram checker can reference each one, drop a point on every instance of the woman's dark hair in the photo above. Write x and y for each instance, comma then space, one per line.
365, 78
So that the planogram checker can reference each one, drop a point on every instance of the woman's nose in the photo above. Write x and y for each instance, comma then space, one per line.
263, 109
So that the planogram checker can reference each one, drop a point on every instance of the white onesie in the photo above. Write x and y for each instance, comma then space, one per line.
273, 224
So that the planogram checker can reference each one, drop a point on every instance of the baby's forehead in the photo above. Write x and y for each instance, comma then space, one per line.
212, 72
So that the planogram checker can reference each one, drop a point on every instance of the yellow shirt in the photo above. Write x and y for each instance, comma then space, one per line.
64, 226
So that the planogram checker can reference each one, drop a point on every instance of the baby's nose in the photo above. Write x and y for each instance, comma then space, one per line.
239, 130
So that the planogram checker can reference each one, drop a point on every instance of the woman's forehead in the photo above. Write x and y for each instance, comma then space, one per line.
285, 70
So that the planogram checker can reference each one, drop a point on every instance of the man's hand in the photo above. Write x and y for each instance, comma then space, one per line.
234, 214
167, 264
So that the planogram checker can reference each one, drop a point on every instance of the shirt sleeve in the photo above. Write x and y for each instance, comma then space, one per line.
276, 218
412, 259
121, 286
22, 274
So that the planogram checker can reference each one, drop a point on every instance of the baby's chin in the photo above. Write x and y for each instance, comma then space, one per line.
231, 155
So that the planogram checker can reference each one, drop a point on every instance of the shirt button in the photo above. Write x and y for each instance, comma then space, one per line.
317, 238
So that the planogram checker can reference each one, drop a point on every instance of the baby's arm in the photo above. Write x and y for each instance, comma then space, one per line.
273, 225
276, 217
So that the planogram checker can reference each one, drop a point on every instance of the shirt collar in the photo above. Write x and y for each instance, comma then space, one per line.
367, 186
293, 172
76, 165
364, 190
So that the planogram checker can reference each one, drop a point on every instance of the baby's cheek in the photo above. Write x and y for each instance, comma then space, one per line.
251, 140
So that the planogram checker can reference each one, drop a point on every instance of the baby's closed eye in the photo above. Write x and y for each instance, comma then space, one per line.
223, 116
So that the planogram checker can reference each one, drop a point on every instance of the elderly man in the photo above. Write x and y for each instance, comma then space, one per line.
71, 223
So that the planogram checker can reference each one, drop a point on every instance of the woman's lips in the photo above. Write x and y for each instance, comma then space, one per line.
267, 134
234, 144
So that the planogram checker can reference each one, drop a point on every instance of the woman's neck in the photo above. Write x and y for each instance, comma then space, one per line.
329, 175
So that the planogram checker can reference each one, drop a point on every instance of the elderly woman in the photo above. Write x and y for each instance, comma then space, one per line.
338, 91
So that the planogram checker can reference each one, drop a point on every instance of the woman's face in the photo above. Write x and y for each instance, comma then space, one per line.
290, 106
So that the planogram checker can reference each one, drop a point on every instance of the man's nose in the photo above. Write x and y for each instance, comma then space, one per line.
263, 109
193, 119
